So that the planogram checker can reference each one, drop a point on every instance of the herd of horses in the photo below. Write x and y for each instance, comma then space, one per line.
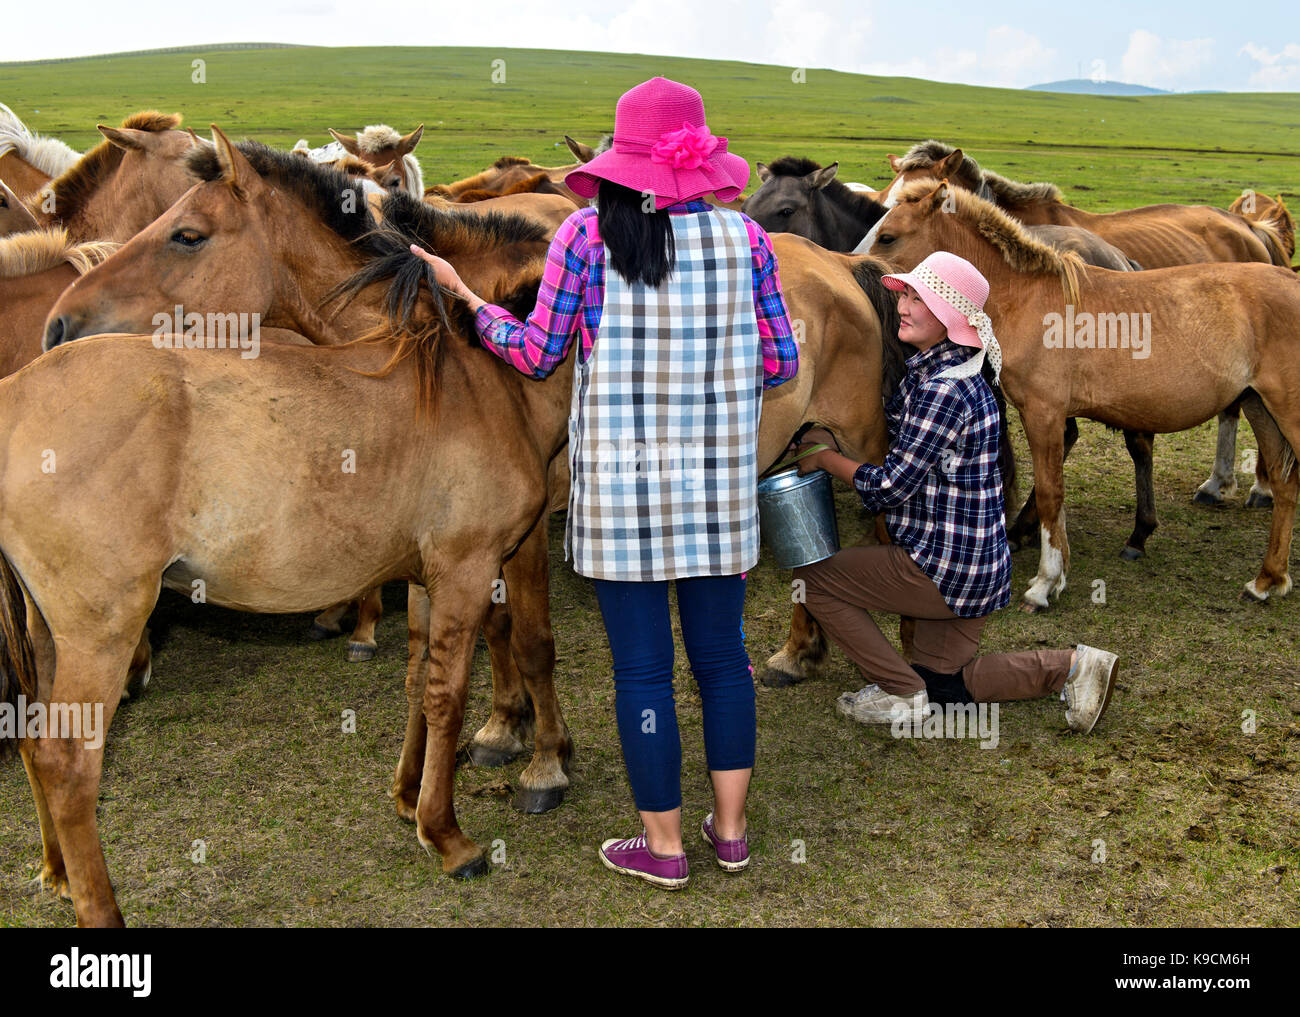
215, 471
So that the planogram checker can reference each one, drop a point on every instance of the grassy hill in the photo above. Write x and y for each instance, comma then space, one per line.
1106, 151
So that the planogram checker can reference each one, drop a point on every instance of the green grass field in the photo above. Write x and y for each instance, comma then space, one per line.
1170, 814
1107, 153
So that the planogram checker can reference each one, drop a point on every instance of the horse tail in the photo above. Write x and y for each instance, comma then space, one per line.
17, 656
867, 272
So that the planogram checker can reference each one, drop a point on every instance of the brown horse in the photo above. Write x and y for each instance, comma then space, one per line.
1156, 236
122, 184
511, 174
380, 146
1159, 350
241, 516
1271, 220
29, 161
15, 217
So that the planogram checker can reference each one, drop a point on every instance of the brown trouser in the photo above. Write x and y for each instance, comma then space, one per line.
843, 589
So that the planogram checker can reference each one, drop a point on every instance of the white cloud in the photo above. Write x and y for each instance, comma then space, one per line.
1010, 58
1165, 63
1278, 72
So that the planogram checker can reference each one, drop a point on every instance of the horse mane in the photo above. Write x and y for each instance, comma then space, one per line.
1020, 251
856, 202
529, 185
384, 249
34, 251
969, 175
48, 155
73, 188
869, 273
506, 161
377, 137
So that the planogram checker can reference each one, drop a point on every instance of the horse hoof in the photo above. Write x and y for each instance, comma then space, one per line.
1257, 500
1131, 553
536, 802
472, 869
361, 651
1202, 498
774, 678
319, 632
1029, 607
483, 755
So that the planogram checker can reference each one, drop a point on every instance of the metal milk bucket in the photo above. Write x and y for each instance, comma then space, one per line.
796, 517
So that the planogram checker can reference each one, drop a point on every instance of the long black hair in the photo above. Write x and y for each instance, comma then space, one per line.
639, 242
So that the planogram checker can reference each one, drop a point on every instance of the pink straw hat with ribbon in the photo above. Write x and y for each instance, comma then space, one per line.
663, 145
955, 292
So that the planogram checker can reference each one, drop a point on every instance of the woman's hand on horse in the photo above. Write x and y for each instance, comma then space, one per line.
447, 276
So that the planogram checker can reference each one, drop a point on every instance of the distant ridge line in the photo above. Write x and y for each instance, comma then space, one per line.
225, 46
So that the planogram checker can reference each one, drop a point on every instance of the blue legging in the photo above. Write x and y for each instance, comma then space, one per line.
641, 641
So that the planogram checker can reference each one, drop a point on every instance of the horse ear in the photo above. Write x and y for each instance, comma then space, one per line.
940, 194
125, 138
895, 163
764, 173
823, 176
235, 169
583, 153
408, 143
953, 163
348, 143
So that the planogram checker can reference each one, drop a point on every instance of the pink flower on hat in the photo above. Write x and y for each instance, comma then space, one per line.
684, 149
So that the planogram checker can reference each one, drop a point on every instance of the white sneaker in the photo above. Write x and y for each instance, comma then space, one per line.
882, 707
1088, 691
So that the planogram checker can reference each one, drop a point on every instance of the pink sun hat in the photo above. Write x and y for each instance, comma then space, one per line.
955, 292
662, 145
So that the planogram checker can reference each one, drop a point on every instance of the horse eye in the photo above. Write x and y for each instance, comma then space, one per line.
787, 211
885, 238
188, 238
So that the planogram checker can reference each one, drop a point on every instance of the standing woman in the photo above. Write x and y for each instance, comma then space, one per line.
682, 326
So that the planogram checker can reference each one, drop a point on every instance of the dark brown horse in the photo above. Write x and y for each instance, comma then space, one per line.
799, 196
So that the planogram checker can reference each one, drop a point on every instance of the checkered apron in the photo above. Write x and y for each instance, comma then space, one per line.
663, 429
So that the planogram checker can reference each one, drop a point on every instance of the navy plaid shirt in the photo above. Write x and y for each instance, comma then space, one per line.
939, 487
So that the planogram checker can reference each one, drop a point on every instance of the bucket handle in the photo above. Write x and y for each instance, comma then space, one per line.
794, 459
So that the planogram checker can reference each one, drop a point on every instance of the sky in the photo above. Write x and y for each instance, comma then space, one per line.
1181, 46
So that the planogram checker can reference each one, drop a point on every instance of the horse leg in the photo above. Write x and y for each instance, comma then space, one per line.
459, 593
370, 608
1261, 494
1141, 449
509, 728
1024, 531
804, 650
329, 623
544, 780
1278, 457
1048, 452
54, 875
406, 779
68, 771
1223, 481
140, 670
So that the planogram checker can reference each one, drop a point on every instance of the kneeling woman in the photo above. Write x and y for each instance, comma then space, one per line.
940, 490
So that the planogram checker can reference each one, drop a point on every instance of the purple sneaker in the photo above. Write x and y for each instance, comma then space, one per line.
633, 858
732, 855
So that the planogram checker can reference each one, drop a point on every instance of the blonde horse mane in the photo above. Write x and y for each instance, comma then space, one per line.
925, 154
24, 254
1020, 252
73, 188
48, 155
